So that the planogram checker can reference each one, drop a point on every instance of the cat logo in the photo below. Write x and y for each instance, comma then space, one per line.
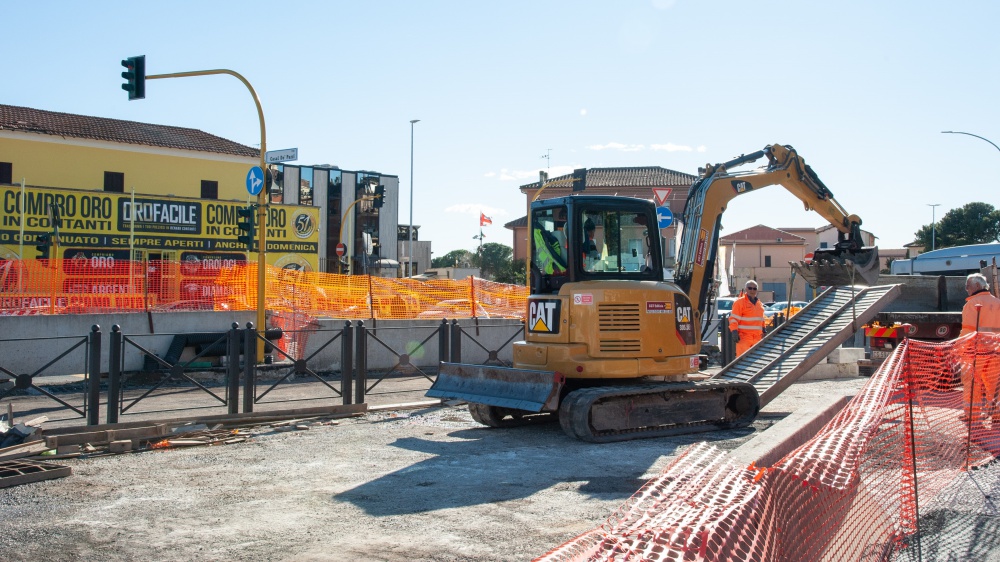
543, 316
742, 186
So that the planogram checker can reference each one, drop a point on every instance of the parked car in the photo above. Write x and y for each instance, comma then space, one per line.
724, 305
454, 308
780, 307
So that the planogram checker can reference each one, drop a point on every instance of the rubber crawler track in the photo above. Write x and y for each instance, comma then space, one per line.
738, 400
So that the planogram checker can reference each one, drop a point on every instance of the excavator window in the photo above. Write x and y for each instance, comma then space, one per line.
549, 251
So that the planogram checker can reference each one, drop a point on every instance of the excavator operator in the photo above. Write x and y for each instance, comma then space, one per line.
746, 321
550, 246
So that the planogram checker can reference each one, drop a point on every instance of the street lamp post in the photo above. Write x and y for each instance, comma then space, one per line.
935, 205
972, 135
409, 251
933, 223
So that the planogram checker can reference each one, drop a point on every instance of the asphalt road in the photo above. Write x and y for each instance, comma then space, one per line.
396, 484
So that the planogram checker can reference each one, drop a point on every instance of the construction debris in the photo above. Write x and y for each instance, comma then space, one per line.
24, 445
14, 473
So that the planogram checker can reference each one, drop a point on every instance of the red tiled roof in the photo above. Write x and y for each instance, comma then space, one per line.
761, 234
28, 120
644, 176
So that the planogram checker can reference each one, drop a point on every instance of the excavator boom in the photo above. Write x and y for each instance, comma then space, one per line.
849, 262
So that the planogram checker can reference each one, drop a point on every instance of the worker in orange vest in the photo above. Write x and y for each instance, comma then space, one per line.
746, 321
981, 313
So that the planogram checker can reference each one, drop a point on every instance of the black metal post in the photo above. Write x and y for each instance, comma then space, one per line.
114, 372
361, 362
249, 370
456, 342
443, 341
347, 363
94, 377
233, 369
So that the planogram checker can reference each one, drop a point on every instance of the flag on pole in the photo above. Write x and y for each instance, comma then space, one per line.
484, 220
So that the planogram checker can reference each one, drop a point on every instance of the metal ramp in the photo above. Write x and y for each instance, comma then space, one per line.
807, 338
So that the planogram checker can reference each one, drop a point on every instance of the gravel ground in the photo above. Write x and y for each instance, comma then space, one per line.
392, 485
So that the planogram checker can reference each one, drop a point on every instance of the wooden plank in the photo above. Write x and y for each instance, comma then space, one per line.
230, 419
15, 473
137, 432
22, 450
56, 441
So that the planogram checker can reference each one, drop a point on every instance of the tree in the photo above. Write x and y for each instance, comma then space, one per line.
495, 259
454, 258
974, 223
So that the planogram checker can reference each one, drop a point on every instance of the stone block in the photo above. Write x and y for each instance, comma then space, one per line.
846, 355
831, 371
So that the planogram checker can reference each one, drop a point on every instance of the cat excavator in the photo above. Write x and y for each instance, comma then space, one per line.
613, 348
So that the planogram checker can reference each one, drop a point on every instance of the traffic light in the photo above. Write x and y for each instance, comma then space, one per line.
44, 242
579, 179
379, 196
135, 77
245, 224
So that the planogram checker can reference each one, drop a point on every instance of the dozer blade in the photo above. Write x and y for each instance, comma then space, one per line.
520, 389
833, 267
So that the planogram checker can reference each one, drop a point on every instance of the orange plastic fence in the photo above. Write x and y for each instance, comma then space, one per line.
869, 486
107, 286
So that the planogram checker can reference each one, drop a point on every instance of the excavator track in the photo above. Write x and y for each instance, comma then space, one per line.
620, 413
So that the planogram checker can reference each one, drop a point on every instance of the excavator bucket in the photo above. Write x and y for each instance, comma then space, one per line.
831, 267
504, 387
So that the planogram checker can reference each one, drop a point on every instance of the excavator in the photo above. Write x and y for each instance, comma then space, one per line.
613, 348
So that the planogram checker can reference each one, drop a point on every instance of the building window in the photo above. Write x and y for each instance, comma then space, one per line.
6, 172
209, 189
114, 181
822, 245
767, 261
779, 289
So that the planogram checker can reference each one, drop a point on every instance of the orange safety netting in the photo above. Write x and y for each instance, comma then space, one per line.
871, 485
108, 286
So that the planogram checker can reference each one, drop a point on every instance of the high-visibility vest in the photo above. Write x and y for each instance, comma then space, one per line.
548, 253
747, 315
989, 313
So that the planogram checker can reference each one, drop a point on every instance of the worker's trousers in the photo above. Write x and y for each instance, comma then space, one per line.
747, 340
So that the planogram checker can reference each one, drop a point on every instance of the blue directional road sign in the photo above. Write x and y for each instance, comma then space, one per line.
255, 180
664, 217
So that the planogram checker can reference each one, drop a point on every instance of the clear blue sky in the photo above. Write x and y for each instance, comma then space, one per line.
862, 89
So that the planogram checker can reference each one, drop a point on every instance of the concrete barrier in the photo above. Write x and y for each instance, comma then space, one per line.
29, 342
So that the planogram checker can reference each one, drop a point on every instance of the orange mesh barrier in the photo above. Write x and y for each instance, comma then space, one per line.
106, 285
296, 327
862, 489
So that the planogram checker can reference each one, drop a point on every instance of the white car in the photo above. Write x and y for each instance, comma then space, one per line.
724, 305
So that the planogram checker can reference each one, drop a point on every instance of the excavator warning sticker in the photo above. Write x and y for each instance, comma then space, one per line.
685, 323
583, 298
543, 316
657, 307
699, 254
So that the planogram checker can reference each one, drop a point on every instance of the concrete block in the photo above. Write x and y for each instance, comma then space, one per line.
831, 371
120, 446
846, 355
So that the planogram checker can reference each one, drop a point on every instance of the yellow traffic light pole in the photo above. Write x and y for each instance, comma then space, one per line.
261, 200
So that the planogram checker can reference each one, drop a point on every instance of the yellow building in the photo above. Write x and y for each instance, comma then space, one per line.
128, 190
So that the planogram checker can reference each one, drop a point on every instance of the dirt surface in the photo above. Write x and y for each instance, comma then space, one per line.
394, 485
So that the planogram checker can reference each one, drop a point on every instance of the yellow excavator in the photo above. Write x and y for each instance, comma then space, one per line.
612, 347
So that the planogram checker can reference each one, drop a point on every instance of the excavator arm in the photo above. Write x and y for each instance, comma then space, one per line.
848, 263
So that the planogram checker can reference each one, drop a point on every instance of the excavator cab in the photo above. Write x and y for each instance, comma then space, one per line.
592, 238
